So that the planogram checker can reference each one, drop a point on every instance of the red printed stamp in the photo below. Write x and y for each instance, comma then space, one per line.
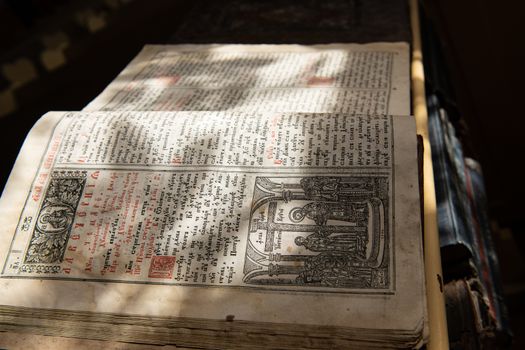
161, 266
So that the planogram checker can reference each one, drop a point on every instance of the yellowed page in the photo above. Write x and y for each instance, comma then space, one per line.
349, 78
283, 218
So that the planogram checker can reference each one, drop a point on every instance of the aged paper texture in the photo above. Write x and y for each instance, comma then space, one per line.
367, 79
198, 214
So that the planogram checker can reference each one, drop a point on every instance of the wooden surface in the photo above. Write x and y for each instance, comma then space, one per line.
434, 277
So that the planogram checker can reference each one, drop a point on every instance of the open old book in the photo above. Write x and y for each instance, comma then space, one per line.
218, 229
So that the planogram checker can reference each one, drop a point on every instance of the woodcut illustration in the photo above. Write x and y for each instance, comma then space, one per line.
320, 231
55, 219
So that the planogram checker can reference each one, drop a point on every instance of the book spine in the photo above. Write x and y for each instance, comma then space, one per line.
489, 264
452, 202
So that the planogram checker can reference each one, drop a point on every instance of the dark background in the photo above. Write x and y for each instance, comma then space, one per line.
483, 44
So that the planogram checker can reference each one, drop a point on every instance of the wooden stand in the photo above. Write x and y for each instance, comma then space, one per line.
437, 322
